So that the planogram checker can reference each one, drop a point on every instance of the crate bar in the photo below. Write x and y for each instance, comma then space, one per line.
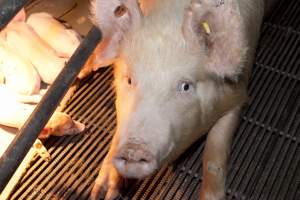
38, 119
8, 9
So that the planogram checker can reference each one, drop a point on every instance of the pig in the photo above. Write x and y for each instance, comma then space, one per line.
14, 114
18, 72
63, 40
7, 93
181, 70
20, 75
20, 37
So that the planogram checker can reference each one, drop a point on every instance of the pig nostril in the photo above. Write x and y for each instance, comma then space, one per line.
143, 160
123, 158
120, 11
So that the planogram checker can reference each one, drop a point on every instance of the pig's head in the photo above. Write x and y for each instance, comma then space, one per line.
173, 76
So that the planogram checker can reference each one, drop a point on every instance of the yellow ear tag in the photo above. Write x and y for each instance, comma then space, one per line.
206, 28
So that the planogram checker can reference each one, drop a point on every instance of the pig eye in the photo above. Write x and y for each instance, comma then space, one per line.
120, 10
184, 86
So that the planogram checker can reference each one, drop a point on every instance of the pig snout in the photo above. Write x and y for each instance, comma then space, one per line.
135, 160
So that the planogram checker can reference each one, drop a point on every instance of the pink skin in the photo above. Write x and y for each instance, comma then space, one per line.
115, 28
18, 107
20, 16
61, 124
175, 82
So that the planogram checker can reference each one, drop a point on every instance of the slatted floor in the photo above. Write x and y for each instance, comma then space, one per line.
265, 160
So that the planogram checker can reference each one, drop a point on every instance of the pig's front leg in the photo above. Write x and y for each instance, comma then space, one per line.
216, 153
109, 181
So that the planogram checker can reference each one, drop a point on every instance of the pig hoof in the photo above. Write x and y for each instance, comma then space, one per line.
108, 183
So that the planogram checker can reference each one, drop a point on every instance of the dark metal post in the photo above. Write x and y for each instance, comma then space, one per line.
38, 119
8, 9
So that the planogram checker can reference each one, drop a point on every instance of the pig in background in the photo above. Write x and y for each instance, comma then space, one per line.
26, 59
181, 70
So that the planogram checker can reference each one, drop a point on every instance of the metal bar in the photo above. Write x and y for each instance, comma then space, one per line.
38, 119
8, 9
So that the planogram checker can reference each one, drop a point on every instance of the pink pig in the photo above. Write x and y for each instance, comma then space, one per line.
181, 71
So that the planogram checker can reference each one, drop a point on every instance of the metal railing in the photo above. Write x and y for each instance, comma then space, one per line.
29, 132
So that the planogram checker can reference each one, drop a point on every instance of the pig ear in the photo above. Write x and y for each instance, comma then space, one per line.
114, 18
215, 27
20, 16
146, 6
